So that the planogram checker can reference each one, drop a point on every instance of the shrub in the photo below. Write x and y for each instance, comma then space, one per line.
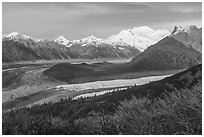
98, 124
179, 112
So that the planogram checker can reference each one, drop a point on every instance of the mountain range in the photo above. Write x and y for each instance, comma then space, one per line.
89, 47
149, 48
181, 49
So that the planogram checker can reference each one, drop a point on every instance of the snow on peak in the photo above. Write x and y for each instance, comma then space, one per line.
177, 29
61, 40
91, 39
38, 40
75, 41
139, 37
191, 36
190, 29
12, 34
16, 36
3, 36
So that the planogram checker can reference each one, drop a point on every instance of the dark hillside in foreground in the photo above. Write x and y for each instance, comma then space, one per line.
100, 115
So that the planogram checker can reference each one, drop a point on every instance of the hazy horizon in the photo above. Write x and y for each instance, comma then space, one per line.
79, 20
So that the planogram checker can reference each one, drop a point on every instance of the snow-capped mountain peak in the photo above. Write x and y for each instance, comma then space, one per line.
138, 37
87, 41
191, 36
177, 29
91, 39
62, 40
191, 30
16, 36
187, 29
12, 34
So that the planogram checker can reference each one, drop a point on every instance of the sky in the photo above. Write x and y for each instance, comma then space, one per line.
79, 20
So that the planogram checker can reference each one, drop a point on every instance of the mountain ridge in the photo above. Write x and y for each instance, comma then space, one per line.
91, 47
168, 53
191, 36
147, 40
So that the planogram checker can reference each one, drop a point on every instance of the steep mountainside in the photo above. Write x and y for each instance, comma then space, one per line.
52, 50
168, 53
191, 36
92, 47
20, 38
17, 51
61, 48
14, 51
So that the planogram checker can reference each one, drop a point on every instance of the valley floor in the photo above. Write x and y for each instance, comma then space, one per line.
26, 84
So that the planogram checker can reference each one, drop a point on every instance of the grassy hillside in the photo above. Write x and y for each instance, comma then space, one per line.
169, 106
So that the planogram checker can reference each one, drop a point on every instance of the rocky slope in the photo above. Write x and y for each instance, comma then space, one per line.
15, 51
92, 47
191, 36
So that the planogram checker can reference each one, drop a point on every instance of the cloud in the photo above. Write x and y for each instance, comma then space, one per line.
186, 9
48, 19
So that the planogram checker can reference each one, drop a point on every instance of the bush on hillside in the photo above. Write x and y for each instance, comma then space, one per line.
179, 112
